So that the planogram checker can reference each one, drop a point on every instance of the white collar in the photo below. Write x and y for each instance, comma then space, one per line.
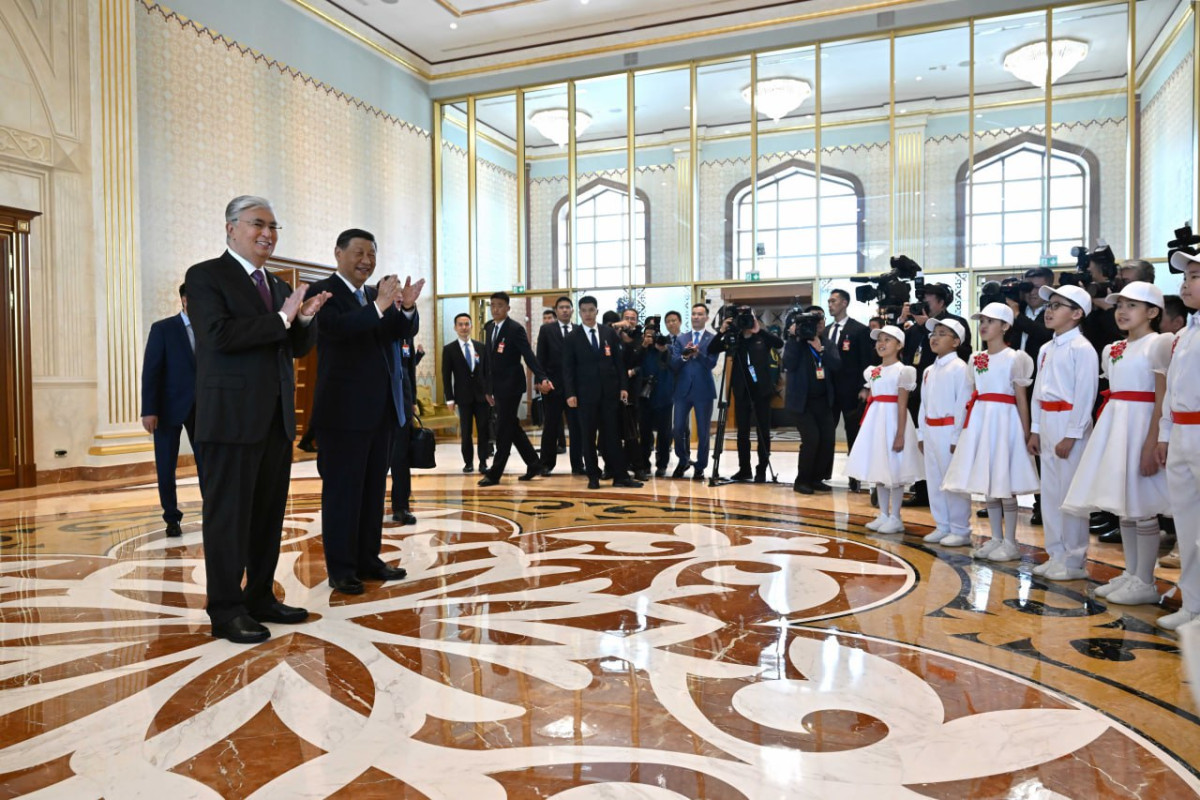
353, 289
464, 341
946, 359
1068, 337
246, 265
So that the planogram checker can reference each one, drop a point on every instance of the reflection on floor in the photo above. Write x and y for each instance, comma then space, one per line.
679, 641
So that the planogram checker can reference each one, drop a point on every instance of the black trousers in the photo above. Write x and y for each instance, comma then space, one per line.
816, 425
166, 459
353, 467
248, 488
629, 418
508, 433
851, 420
555, 406
743, 404
656, 434
477, 411
599, 421
402, 467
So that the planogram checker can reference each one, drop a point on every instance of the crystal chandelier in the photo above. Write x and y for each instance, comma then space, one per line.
552, 123
776, 97
1029, 61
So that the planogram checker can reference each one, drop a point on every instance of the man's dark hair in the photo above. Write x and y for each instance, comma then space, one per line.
566, 299
500, 296
460, 315
343, 240
675, 314
1174, 306
812, 309
700, 305
586, 300
880, 320
941, 291
610, 317
841, 293
183, 290
1045, 273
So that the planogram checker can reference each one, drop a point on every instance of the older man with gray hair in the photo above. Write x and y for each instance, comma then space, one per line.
249, 325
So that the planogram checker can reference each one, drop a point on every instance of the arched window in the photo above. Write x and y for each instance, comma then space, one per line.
602, 255
1000, 212
787, 243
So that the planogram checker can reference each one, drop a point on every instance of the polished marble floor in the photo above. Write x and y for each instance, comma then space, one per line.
679, 641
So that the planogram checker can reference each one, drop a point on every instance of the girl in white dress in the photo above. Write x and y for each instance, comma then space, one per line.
885, 451
1119, 471
991, 458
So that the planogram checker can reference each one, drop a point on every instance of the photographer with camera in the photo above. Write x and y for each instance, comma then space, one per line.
630, 335
1029, 331
744, 340
809, 362
656, 397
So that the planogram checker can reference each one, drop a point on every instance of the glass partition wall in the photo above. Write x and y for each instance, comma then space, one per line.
978, 147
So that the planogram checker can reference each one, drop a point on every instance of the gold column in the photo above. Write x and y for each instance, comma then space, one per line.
753, 177
472, 188
817, 157
631, 167
118, 195
683, 214
572, 195
1049, 131
694, 182
1195, 108
435, 144
892, 138
1131, 131
909, 144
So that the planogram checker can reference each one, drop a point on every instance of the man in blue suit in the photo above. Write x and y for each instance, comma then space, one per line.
169, 402
694, 389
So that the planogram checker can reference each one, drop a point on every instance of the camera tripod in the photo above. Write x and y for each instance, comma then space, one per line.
733, 348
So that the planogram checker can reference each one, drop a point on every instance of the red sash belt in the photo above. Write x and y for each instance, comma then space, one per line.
976, 397
878, 398
1056, 405
1133, 397
939, 422
1185, 417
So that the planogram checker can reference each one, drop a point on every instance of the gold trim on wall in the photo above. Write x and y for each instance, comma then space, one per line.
470, 12
120, 449
353, 34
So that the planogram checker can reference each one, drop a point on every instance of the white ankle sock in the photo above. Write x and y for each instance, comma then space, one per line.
1009, 505
1147, 548
897, 501
884, 494
1129, 544
994, 516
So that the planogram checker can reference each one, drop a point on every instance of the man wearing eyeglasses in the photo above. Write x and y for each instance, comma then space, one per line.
249, 326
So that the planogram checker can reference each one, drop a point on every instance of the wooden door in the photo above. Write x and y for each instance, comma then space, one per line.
297, 272
17, 466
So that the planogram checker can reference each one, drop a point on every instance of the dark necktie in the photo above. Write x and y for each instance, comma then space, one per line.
260, 283
564, 330
595, 343
398, 393
361, 295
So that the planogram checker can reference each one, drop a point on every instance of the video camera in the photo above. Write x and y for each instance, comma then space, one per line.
891, 289
1185, 241
743, 317
1003, 291
654, 324
807, 322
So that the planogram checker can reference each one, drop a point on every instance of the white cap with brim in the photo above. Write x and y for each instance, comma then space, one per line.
999, 311
889, 330
952, 324
1181, 260
1141, 291
1076, 294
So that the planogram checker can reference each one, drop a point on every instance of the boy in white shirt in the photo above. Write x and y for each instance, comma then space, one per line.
1064, 393
945, 390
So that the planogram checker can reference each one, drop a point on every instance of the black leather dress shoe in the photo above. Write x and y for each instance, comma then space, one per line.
385, 573
487, 480
575, 471
661, 472
593, 483
628, 483
741, 475
242, 629
534, 472
173, 529
605, 475
1111, 537
982, 513
682, 468
642, 475
802, 488
278, 612
698, 475
855, 486
307, 447
760, 475
483, 466
404, 518
1035, 518
468, 468
347, 585
822, 486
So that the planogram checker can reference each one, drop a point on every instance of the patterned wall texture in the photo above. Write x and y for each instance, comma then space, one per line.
1168, 162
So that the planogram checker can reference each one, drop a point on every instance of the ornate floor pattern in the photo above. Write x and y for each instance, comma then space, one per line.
643, 647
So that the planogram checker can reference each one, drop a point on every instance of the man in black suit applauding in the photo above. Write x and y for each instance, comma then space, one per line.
169, 403
462, 386
550, 356
596, 384
249, 327
361, 401
507, 344
852, 340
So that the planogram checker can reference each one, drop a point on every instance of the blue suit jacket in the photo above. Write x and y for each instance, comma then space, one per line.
168, 373
693, 378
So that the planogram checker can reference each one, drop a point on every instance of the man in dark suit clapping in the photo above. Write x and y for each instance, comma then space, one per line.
595, 383
550, 356
249, 327
169, 403
507, 344
462, 386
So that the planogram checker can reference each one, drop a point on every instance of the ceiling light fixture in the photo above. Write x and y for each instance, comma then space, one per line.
776, 97
453, 26
1028, 62
552, 123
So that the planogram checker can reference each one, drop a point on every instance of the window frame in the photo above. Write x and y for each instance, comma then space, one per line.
558, 268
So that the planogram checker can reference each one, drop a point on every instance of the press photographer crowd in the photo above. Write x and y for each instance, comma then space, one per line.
1083, 391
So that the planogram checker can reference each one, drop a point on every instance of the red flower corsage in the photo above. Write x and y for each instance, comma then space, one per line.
981, 362
1117, 351
876, 372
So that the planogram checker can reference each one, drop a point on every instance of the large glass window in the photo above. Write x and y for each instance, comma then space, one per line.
787, 223
601, 254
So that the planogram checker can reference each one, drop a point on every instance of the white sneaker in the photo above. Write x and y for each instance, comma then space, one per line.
891, 525
1062, 572
1113, 585
1134, 592
1044, 567
874, 524
985, 548
1172, 621
956, 540
936, 536
1008, 551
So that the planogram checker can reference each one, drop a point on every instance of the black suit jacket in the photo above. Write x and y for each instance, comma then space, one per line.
244, 353
589, 374
550, 350
503, 374
854, 351
356, 359
459, 383
168, 373
759, 347
1039, 334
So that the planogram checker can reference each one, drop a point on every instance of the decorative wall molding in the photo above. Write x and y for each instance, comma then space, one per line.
1180, 73
26, 146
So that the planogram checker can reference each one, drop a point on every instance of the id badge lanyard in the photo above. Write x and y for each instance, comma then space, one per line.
820, 370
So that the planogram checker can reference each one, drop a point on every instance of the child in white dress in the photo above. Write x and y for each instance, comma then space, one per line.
885, 451
991, 458
945, 391
1119, 470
